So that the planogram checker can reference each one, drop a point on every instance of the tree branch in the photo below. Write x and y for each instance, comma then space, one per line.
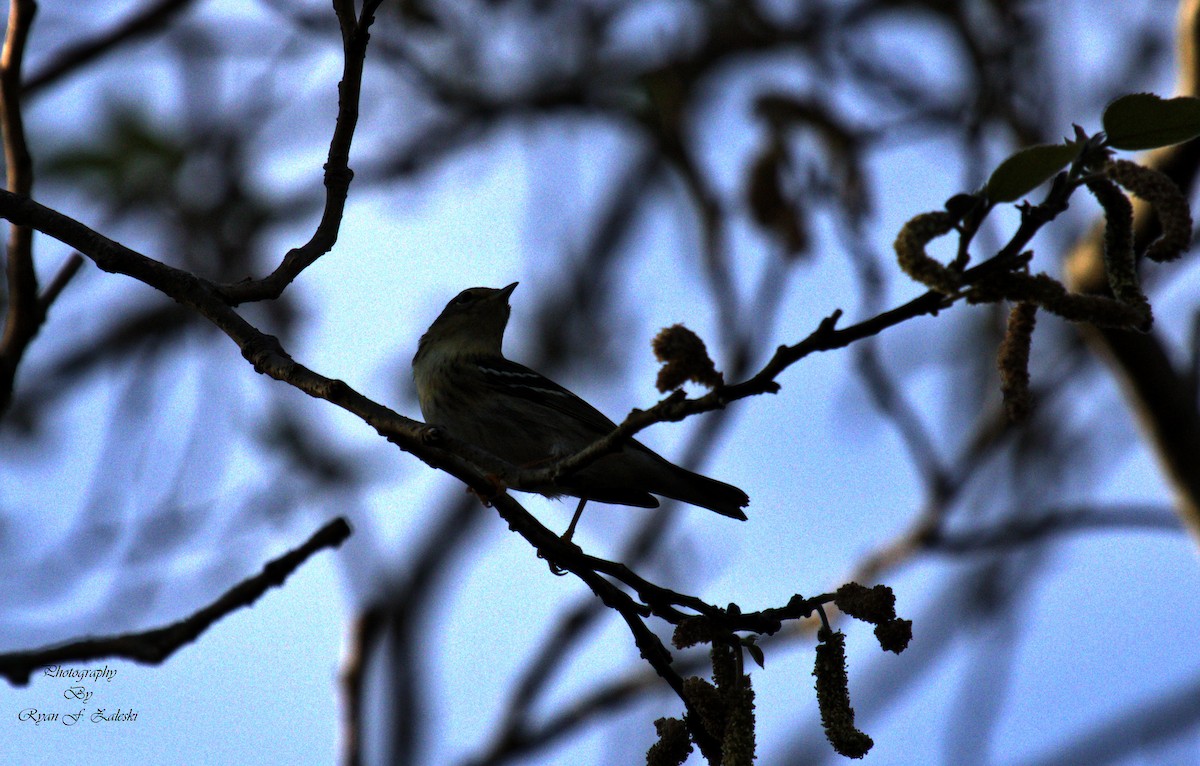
153, 646
338, 174
23, 318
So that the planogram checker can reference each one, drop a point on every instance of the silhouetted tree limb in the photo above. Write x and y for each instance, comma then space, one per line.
24, 314
153, 646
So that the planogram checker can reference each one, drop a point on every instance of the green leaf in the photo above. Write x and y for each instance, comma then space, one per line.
1145, 121
1028, 169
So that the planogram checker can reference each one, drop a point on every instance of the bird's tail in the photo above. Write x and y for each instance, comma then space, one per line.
681, 484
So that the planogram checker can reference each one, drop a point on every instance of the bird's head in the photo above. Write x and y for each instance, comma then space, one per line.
472, 323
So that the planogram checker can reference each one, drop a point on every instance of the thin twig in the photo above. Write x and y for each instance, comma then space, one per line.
65, 274
338, 175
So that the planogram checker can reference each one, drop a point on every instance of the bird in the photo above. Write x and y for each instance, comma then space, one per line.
467, 387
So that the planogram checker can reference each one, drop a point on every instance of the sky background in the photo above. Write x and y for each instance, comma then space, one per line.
1106, 620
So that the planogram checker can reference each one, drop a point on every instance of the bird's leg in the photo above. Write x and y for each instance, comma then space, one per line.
566, 538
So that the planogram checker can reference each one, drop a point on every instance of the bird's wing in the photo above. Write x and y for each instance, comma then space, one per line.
515, 379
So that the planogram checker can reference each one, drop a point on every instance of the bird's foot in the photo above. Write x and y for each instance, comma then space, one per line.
555, 569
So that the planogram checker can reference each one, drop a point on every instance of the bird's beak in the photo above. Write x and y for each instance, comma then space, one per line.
507, 291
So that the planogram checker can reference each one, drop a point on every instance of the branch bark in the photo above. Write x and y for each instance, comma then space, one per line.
23, 317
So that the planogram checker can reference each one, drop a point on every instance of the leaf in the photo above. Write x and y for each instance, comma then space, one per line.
755, 651
1028, 169
1146, 121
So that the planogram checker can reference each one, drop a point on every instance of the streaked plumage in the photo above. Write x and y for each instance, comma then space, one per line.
466, 386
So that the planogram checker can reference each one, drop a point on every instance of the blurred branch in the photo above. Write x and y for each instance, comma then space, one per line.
1016, 532
366, 632
78, 55
1132, 733
893, 403
405, 607
150, 328
515, 743
153, 646
1160, 394
24, 408
65, 274
994, 431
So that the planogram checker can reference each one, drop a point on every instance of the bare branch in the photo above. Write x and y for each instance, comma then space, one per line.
338, 174
154, 646
23, 318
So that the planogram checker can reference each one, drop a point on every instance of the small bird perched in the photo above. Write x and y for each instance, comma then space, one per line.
466, 386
